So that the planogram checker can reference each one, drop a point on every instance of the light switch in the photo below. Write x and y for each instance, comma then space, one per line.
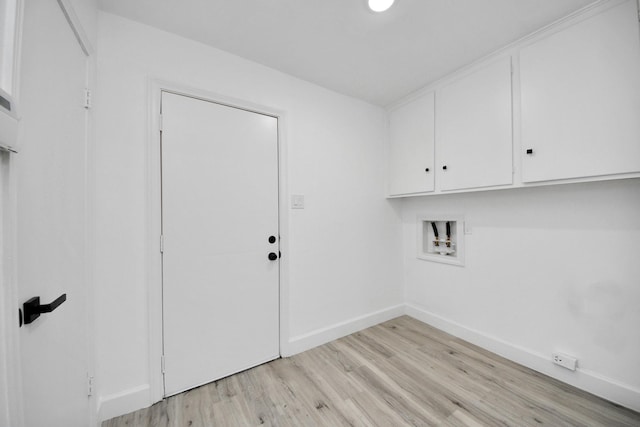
297, 201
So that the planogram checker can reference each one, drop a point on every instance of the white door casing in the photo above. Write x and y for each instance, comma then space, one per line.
219, 208
10, 381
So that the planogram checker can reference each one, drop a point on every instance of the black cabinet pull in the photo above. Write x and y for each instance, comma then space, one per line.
272, 239
273, 256
529, 150
444, 168
426, 170
32, 308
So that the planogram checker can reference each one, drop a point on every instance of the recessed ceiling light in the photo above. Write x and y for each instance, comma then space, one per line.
380, 5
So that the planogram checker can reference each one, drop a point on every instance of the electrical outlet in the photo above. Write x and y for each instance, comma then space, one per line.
565, 361
297, 201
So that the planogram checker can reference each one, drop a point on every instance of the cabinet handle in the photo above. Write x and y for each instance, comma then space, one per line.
529, 150
272, 239
426, 170
444, 168
273, 256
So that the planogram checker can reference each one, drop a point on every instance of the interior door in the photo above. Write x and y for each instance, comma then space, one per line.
51, 218
220, 240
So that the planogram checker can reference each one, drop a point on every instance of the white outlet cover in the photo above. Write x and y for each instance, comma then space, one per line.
565, 361
297, 201
467, 229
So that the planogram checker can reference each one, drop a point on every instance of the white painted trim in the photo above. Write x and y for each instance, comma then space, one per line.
518, 184
154, 259
76, 26
321, 336
9, 135
10, 362
152, 252
590, 381
121, 403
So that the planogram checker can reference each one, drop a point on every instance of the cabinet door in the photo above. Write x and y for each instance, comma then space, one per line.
411, 147
474, 129
581, 99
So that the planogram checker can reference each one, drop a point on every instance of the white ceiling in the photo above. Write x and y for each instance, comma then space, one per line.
341, 45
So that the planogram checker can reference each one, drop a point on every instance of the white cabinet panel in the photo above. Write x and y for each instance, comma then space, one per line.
411, 165
474, 129
581, 99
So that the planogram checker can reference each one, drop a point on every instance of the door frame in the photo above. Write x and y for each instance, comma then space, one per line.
154, 212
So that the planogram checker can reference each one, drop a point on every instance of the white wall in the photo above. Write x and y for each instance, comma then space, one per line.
345, 247
547, 269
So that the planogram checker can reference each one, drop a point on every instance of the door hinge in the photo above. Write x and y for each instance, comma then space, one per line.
162, 363
89, 385
161, 244
87, 98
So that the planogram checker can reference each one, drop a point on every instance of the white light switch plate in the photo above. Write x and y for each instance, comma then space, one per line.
297, 201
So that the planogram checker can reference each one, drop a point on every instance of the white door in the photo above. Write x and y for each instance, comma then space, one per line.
219, 226
473, 129
581, 99
51, 218
411, 159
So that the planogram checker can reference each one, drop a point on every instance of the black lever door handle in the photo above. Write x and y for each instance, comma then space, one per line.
32, 308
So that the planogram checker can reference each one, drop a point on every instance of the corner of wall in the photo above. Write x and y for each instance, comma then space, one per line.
307, 341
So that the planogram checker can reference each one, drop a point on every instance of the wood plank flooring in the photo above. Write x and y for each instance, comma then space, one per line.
399, 373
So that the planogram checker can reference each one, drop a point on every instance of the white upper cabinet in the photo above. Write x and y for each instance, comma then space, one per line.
474, 129
581, 99
411, 147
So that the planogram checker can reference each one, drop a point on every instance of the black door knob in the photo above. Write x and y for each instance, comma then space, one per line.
444, 168
272, 239
426, 170
273, 256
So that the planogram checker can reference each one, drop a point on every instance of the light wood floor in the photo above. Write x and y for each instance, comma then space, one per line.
399, 373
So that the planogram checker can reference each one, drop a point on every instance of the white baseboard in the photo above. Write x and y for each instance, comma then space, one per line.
592, 382
307, 341
121, 403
